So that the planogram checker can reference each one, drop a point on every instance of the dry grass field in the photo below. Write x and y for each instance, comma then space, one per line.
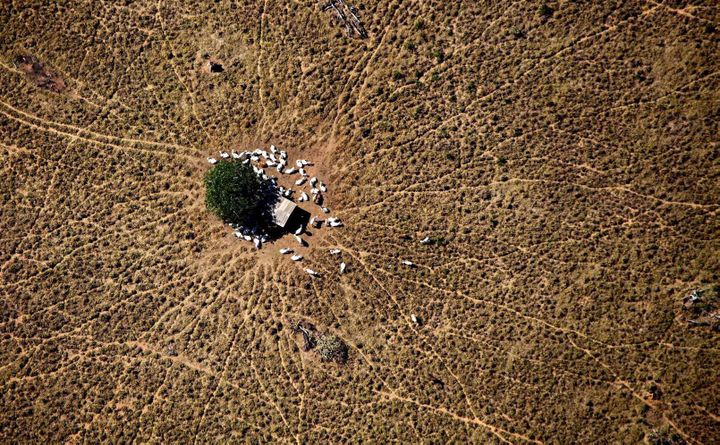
563, 159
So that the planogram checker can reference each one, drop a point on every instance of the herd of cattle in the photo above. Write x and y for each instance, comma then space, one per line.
278, 159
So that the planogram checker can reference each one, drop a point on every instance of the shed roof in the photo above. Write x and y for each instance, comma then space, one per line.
282, 211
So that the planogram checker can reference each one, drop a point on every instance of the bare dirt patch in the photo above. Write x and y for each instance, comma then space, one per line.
40, 75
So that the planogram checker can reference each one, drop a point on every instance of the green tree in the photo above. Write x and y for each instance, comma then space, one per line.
234, 192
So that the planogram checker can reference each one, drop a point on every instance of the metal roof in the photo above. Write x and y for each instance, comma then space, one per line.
282, 211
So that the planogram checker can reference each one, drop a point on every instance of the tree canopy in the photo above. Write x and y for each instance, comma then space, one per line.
234, 192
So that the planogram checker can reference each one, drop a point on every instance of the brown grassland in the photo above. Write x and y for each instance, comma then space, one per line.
565, 159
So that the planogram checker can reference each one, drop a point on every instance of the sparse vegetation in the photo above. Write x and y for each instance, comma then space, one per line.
549, 305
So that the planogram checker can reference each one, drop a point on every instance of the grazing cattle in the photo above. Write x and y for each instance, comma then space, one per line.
273, 148
299, 163
237, 234
335, 224
212, 161
325, 209
290, 171
287, 193
323, 188
258, 243
286, 250
303, 197
283, 154
334, 251
312, 272
303, 172
414, 319
224, 154
296, 257
299, 240
236, 155
247, 237
425, 240
313, 181
300, 181
343, 266
299, 230
408, 263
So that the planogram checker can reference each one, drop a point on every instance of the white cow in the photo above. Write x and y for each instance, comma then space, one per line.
296, 257
212, 161
303, 197
299, 230
334, 251
425, 240
290, 171
312, 272
343, 266
300, 181
408, 263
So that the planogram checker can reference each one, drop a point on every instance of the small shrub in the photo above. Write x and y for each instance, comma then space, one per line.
332, 348
545, 10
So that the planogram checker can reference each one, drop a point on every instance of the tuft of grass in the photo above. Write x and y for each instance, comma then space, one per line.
517, 32
545, 10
